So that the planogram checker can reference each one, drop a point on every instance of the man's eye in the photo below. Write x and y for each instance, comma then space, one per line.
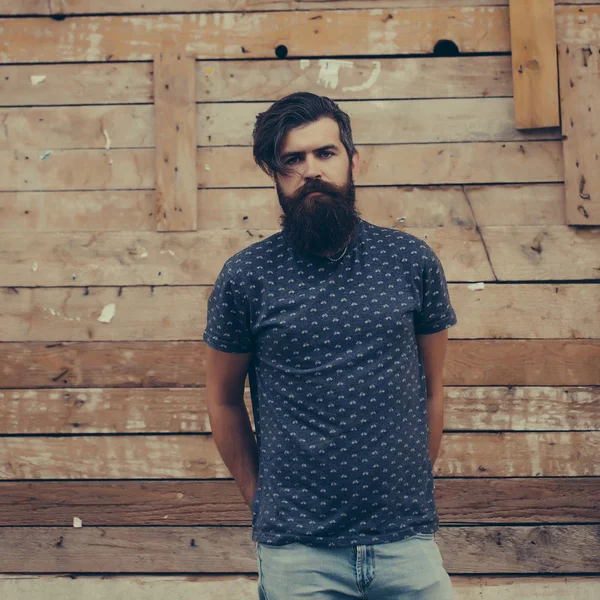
290, 161
327, 152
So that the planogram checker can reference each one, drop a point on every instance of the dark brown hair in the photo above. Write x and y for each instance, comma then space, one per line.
288, 113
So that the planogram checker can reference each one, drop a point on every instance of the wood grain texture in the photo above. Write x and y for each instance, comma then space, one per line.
502, 454
255, 34
244, 587
535, 73
260, 80
396, 207
408, 31
25, 365
173, 410
580, 106
480, 254
489, 549
169, 313
482, 500
410, 164
231, 124
175, 129
42, 7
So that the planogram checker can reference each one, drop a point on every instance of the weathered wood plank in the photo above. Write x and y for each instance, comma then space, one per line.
175, 115
125, 258
244, 587
397, 207
171, 410
410, 164
400, 122
136, 313
408, 31
117, 258
507, 549
182, 364
535, 73
514, 454
150, 502
242, 80
255, 34
580, 107
42, 7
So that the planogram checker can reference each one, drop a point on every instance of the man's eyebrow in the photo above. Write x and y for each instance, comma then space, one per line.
321, 149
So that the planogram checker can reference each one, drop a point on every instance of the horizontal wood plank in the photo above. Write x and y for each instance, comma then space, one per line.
255, 34
256, 80
150, 502
244, 587
505, 454
182, 364
404, 164
231, 124
136, 313
42, 7
490, 549
397, 207
410, 164
175, 410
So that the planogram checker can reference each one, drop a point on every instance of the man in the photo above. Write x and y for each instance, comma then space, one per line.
341, 326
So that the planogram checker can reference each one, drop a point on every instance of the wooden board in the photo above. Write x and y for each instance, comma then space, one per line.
244, 587
163, 313
255, 34
535, 73
409, 164
242, 80
408, 31
490, 549
125, 258
175, 128
481, 500
406, 164
580, 106
182, 364
42, 7
507, 454
172, 410
397, 207
231, 124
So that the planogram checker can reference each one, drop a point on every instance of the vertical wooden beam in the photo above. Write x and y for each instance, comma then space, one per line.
580, 108
175, 112
535, 73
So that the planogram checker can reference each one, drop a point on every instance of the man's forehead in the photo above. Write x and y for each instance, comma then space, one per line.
311, 136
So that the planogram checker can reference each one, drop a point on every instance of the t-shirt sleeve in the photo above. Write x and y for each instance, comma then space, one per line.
436, 312
228, 316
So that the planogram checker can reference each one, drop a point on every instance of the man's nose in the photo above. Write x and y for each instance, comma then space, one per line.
312, 168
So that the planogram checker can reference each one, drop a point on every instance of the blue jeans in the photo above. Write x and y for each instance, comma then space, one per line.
409, 569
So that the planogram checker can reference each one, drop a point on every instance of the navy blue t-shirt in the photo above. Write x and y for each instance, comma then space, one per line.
337, 383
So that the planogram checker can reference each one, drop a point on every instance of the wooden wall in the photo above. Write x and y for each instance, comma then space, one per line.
107, 260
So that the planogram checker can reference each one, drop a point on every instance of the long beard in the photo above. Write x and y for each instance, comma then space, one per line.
322, 224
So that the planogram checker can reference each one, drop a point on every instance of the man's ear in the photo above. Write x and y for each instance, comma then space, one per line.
355, 163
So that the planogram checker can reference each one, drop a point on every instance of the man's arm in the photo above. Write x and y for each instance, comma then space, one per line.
432, 348
231, 428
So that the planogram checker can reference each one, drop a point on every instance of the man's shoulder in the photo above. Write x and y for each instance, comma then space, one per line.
401, 239
254, 257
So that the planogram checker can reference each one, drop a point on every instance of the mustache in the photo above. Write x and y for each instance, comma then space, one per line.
316, 186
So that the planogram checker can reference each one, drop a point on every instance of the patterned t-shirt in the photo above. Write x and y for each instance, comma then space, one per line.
337, 383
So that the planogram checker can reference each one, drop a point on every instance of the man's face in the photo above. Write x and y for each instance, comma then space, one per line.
324, 223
